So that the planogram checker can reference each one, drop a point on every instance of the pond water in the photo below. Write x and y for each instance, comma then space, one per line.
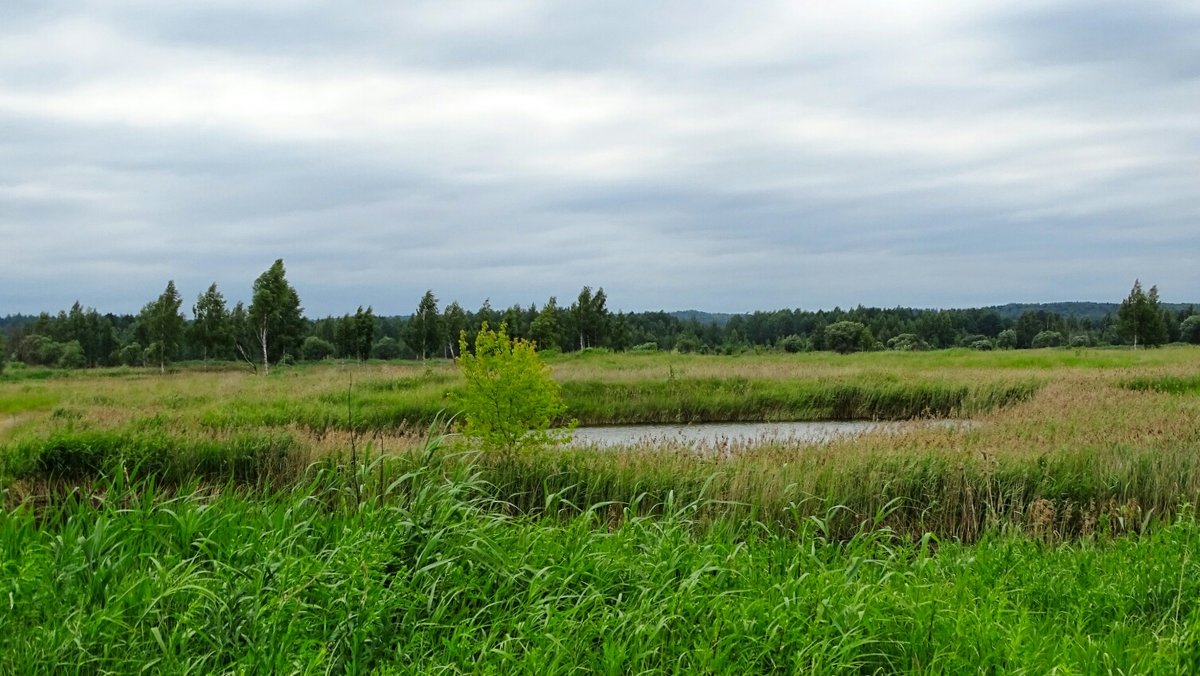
708, 435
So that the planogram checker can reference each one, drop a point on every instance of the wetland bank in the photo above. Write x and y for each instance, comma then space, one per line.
324, 518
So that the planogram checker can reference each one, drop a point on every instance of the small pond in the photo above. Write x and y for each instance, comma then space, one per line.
710, 435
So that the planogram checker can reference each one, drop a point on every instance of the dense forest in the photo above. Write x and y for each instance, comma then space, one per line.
272, 329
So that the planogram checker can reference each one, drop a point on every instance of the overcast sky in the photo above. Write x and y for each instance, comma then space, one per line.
724, 156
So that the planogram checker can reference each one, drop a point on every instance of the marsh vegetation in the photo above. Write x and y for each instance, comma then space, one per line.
323, 519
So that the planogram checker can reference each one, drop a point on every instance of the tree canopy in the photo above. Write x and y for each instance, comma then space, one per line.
274, 317
1139, 320
210, 326
163, 324
510, 401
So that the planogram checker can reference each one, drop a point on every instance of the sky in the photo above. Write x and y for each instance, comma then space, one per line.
721, 156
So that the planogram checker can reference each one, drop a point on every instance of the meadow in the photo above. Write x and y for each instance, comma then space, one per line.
327, 519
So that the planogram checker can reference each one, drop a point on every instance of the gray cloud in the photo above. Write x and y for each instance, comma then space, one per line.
701, 155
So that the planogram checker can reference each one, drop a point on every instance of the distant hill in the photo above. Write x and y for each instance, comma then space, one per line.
1094, 312
16, 321
1078, 309
718, 318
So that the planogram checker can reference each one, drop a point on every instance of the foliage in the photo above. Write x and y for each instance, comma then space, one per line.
425, 330
386, 348
1033, 322
223, 334
793, 344
72, 356
688, 343
1189, 330
546, 327
162, 325
907, 342
316, 349
845, 337
591, 318
454, 322
509, 402
356, 334
404, 562
1081, 340
210, 329
1047, 339
39, 350
274, 318
1139, 320
3, 353
131, 354
982, 345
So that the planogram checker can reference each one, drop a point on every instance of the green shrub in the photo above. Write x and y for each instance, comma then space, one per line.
316, 349
510, 401
1047, 339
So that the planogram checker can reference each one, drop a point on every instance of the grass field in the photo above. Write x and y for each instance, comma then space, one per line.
211, 520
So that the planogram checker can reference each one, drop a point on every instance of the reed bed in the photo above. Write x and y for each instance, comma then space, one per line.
212, 521
1081, 458
407, 565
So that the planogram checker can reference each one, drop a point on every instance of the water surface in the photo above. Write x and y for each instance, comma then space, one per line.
702, 435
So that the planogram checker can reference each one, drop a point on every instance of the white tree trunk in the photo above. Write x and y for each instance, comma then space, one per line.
262, 339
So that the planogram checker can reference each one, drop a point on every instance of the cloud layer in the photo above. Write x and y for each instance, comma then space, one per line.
722, 156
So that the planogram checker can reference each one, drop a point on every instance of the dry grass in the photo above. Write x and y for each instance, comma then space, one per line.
1082, 455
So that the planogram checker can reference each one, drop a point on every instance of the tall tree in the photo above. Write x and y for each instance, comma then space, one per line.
363, 332
1138, 319
1157, 332
162, 324
210, 327
275, 315
425, 327
454, 322
242, 334
590, 317
579, 313
546, 325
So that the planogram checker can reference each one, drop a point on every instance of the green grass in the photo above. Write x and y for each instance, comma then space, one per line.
426, 574
212, 521
1168, 384
26, 400
870, 396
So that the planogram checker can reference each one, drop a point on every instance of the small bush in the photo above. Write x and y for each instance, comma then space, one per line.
316, 349
907, 342
1047, 339
793, 344
386, 348
510, 401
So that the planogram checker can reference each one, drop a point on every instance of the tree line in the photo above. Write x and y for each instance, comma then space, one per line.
272, 329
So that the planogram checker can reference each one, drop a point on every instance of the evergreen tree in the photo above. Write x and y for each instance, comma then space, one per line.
275, 315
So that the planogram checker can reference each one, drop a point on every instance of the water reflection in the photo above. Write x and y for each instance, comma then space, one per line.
724, 435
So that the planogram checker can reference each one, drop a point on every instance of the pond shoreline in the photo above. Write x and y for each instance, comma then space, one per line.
743, 434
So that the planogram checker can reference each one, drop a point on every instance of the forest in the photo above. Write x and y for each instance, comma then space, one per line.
272, 329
